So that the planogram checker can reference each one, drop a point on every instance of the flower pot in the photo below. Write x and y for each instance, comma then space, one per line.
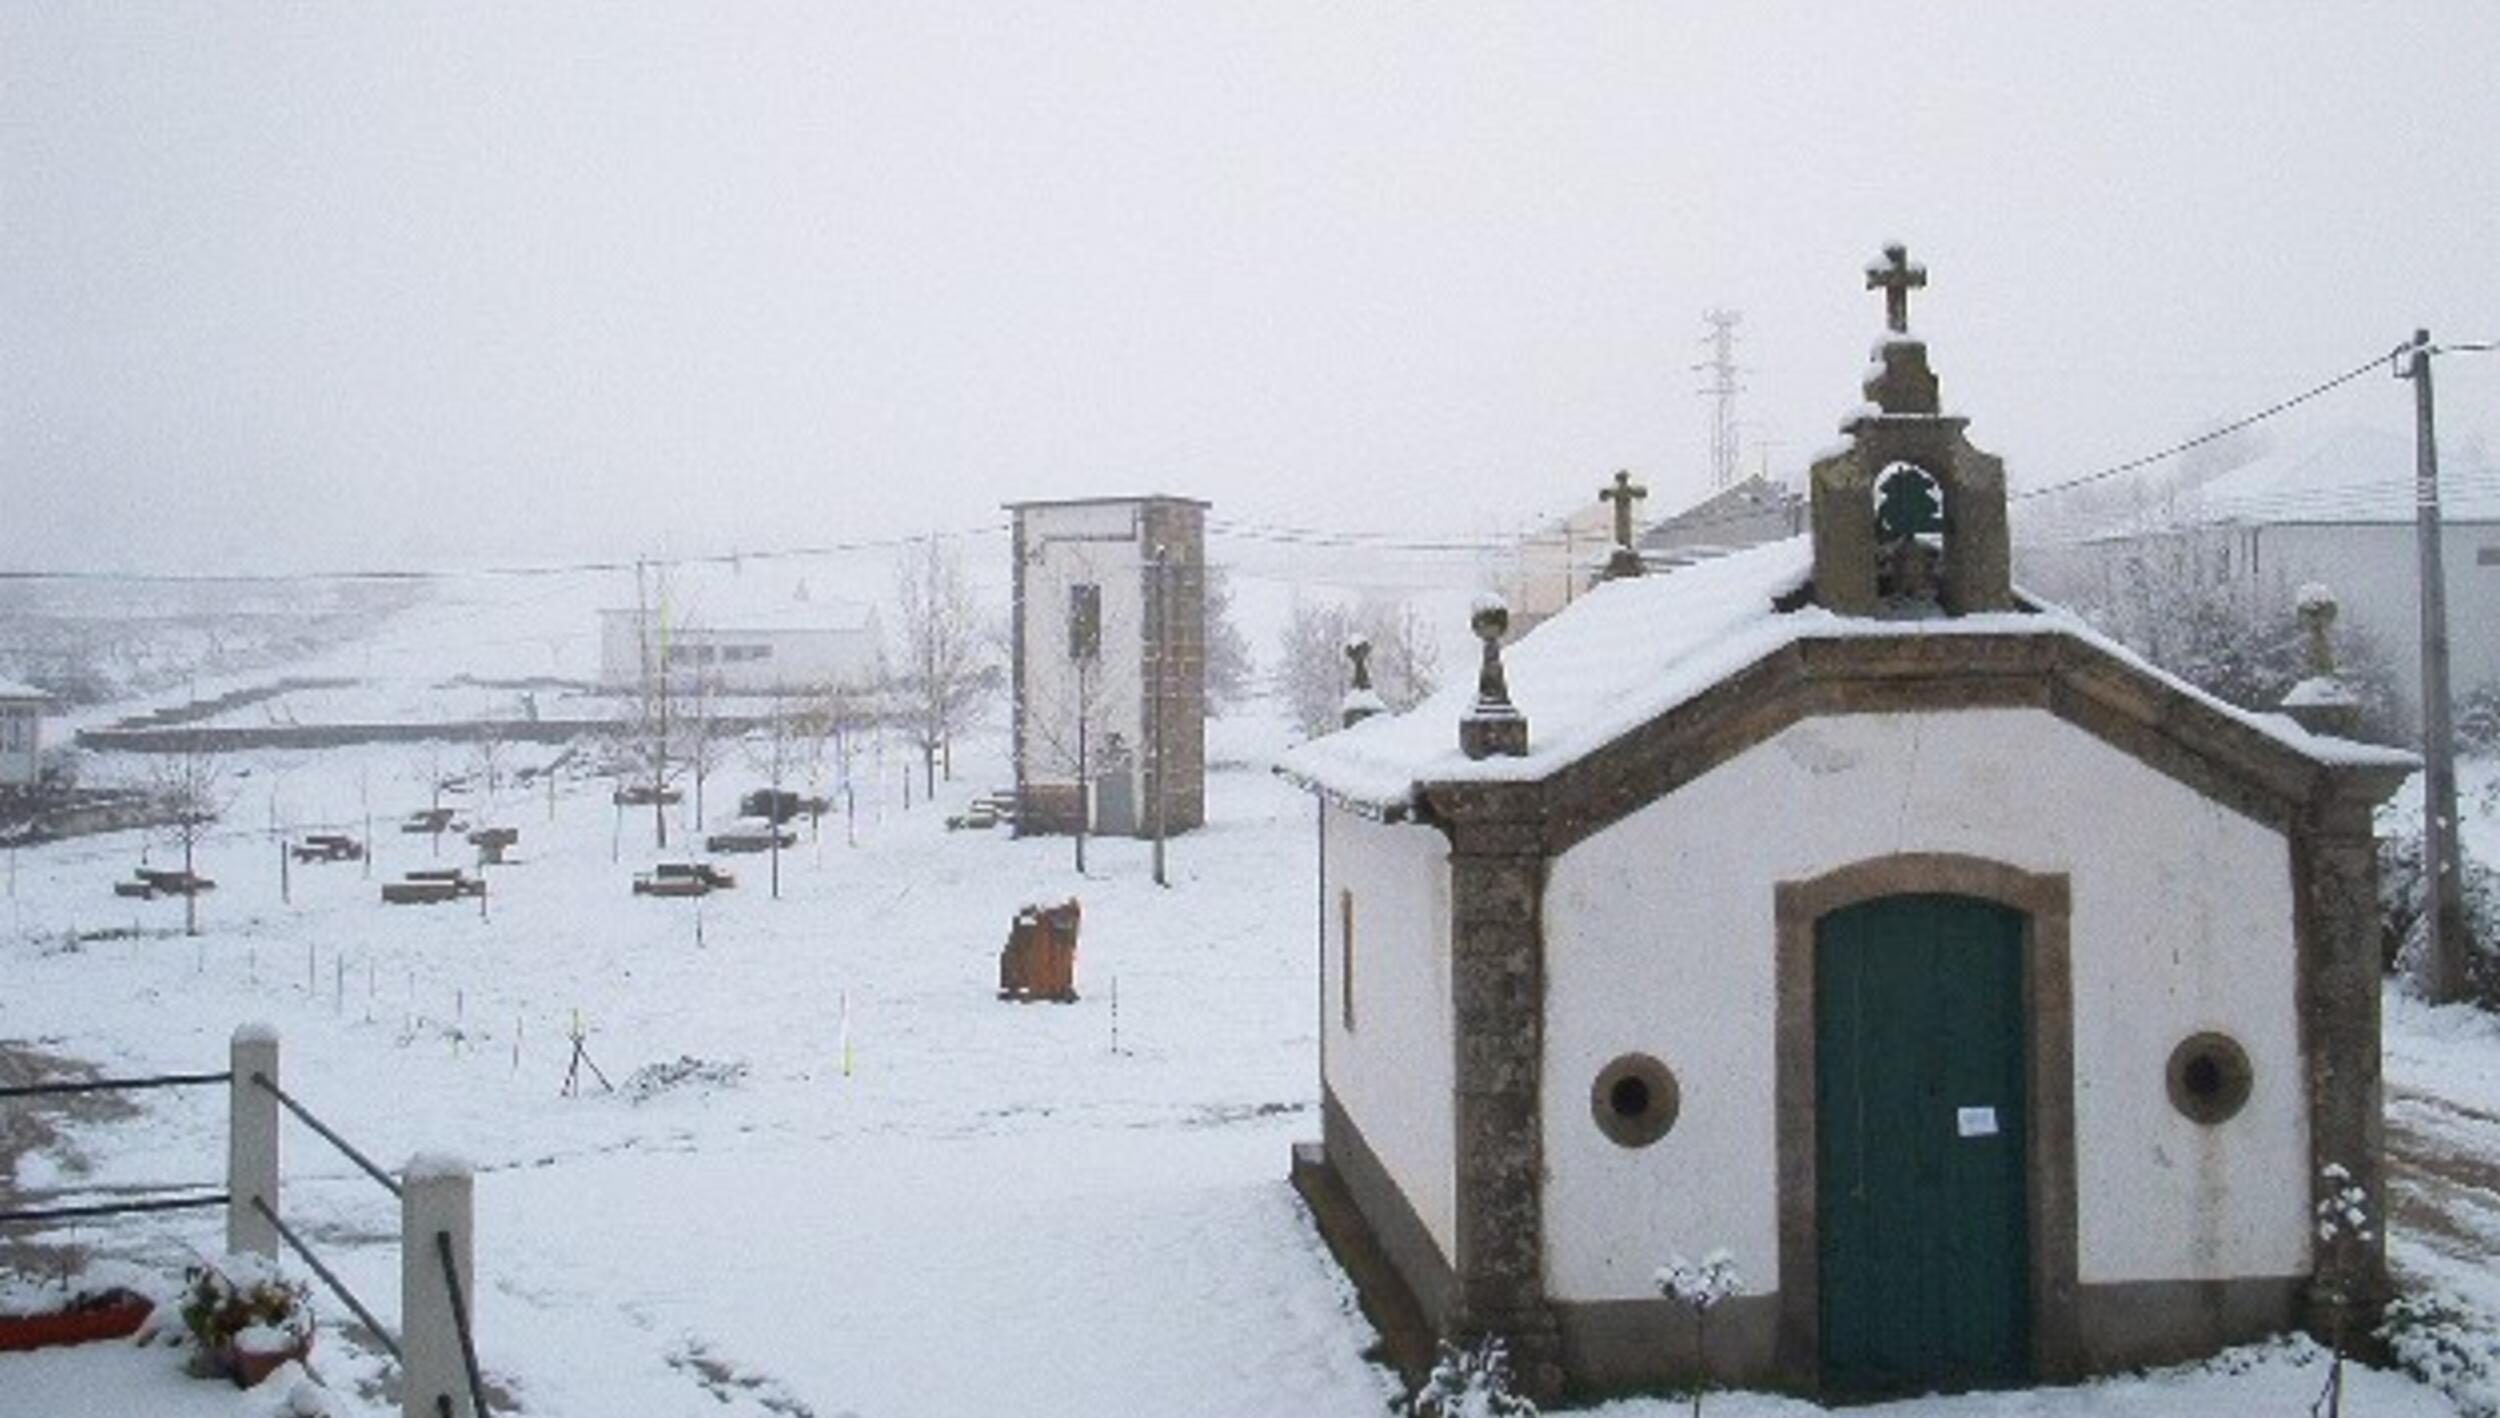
113, 1314
252, 1365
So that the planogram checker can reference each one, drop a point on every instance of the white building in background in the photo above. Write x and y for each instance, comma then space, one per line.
751, 645
2336, 509
21, 733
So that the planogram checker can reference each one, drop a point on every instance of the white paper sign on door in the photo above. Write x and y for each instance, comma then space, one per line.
1976, 1122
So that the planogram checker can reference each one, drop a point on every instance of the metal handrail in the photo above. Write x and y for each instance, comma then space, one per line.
337, 1286
460, 1322
112, 1085
115, 1208
389, 1182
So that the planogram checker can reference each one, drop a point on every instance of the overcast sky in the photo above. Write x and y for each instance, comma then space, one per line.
293, 286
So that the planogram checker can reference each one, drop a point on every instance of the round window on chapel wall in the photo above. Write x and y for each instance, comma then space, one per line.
2209, 1077
1635, 1100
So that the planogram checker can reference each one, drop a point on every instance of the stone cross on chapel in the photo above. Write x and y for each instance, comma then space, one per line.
1901, 430
1896, 276
1623, 561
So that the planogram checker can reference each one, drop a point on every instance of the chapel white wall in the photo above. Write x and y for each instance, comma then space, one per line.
1393, 1071
1660, 939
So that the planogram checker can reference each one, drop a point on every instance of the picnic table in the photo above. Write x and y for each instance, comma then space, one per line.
432, 819
492, 842
749, 840
430, 884
644, 795
148, 883
986, 811
682, 879
328, 847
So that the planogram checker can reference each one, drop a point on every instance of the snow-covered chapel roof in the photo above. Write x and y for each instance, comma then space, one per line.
1633, 649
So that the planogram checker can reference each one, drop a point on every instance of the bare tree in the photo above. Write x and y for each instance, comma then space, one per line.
780, 748
190, 788
2175, 600
490, 759
674, 732
1405, 661
834, 727
1072, 725
1229, 666
945, 678
701, 734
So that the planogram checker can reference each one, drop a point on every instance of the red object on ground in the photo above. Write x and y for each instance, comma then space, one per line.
114, 1315
1040, 959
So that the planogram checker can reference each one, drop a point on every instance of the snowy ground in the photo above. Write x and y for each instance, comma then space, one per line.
974, 1207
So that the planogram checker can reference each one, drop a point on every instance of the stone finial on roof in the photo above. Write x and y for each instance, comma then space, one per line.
1493, 726
1623, 561
2324, 703
1361, 700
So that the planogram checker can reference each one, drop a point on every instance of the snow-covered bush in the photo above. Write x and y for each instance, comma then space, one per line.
1699, 1286
1471, 1381
2452, 1351
684, 1071
2401, 906
2477, 720
242, 1305
2241, 641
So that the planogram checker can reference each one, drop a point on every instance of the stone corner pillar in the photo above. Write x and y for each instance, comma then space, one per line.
2335, 871
1497, 988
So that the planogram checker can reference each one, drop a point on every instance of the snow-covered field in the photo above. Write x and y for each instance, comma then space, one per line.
891, 1194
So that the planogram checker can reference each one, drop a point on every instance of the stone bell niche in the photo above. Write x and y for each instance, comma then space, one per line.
1908, 517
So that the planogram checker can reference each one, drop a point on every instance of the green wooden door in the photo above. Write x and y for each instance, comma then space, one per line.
1923, 1232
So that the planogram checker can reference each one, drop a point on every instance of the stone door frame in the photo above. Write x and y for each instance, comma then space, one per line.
2046, 902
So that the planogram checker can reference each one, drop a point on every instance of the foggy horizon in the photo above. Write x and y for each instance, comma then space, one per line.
287, 291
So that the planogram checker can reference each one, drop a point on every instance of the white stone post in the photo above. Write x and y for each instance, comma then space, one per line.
434, 1200
252, 1142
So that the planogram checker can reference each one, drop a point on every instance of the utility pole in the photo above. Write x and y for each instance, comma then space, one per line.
2443, 898
1722, 389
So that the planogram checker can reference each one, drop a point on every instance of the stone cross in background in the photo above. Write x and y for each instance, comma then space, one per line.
1623, 561
1896, 276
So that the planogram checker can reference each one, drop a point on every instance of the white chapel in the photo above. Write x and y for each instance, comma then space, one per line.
1998, 1002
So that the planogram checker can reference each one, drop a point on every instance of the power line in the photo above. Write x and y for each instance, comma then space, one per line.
572, 568
2211, 435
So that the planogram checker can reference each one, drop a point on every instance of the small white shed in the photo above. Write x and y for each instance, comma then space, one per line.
22, 708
